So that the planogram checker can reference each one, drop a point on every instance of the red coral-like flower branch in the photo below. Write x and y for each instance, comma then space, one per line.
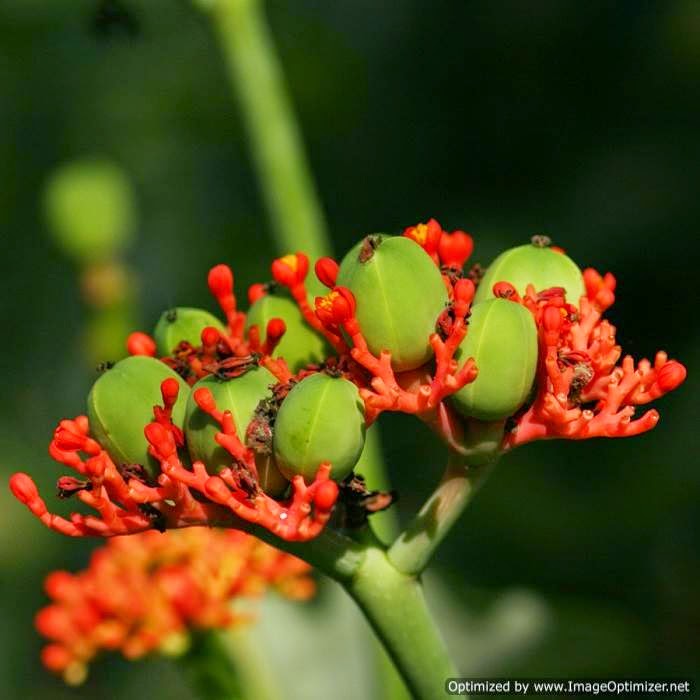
582, 389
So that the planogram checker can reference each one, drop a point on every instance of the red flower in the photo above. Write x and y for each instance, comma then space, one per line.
143, 594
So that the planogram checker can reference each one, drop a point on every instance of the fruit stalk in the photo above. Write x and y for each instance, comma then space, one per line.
413, 548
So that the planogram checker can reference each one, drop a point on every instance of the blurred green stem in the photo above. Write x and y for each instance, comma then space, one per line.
275, 138
223, 665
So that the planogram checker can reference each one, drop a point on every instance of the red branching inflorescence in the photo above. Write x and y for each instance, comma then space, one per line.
144, 594
583, 390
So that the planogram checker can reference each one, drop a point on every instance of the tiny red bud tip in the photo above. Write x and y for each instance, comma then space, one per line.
141, 344
59, 585
671, 375
169, 389
327, 271
326, 495
276, 328
156, 433
220, 281
204, 399
210, 336
56, 658
464, 290
557, 249
552, 319
23, 487
256, 291
216, 489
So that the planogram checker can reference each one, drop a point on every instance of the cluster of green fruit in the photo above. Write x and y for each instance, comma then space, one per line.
400, 293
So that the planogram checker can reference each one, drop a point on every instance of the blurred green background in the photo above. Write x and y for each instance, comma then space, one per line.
502, 117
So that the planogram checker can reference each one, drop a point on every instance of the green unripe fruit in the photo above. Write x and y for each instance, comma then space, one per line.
240, 395
182, 323
400, 294
502, 339
120, 405
322, 419
537, 264
300, 345
90, 210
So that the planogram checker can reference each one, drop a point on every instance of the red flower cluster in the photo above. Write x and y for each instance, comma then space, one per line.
582, 391
142, 594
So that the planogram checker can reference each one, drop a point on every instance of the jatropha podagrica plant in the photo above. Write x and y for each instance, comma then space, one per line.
148, 593
258, 422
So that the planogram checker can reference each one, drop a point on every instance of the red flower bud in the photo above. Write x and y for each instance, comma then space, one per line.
326, 495
327, 271
220, 281
276, 328
290, 270
671, 375
141, 344
256, 291
455, 248
23, 488
427, 236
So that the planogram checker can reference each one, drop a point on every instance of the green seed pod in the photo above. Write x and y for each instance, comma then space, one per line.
534, 263
120, 405
321, 420
300, 344
90, 210
502, 339
182, 323
400, 294
240, 395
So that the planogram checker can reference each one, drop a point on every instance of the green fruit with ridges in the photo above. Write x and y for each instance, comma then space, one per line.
300, 345
502, 339
537, 264
120, 405
183, 323
240, 395
322, 419
400, 294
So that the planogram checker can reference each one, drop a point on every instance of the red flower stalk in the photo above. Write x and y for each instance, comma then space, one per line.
143, 594
582, 389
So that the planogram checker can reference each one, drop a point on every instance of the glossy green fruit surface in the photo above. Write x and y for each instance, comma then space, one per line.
400, 294
321, 420
533, 264
182, 323
300, 345
502, 339
120, 405
240, 395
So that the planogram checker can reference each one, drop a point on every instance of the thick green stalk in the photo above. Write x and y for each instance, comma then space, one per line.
222, 665
413, 549
395, 607
275, 138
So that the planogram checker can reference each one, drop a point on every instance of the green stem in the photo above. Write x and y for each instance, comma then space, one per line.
413, 549
395, 607
275, 139
222, 665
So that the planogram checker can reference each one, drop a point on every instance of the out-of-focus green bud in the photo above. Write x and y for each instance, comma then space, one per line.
400, 294
322, 419
90, 210
537, 264
502, 339
182, 323
240, 395
300, 344
120, 405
